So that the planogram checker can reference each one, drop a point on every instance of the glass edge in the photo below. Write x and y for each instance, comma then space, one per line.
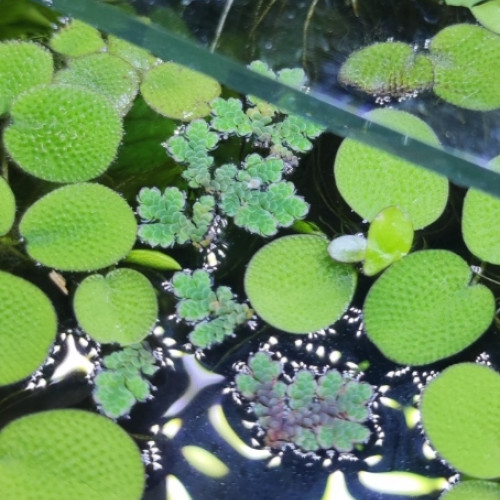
462, 169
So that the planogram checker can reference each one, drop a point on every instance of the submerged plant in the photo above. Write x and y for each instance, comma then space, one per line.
123, 380
213, 311
312, 412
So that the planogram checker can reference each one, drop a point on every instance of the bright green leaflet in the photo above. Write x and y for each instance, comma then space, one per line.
390, 237
463, 402
123, 380
467, 66
462, 3
119, 307
422, 308
80, 227
371, 180
153, 259
316, 412
179, 92
295, 286
22, 65
27, 328
105, 74
473, 490
488, 14
7, 207
77, 39
64, 454
389, 68
348, 248
63, 133
214, 312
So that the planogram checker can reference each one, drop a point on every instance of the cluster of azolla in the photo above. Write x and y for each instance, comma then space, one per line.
122, 382
213, 312
253, 193
313, 412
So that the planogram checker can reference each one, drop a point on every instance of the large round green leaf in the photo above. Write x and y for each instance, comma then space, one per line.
69, 454
467, 66
105, 74
388, 68
120, 307
22, 65
473, 490
27, 328
7, 207
488, 14
179, 92
461, 417
80, 227
294, 285
63, 133
422, 308
370, 179
481, 213
77, 39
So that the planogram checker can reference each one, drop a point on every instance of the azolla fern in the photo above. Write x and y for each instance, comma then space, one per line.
312, 412
253, 192
213, 311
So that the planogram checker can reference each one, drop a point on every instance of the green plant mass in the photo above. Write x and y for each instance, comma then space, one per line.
311, 412
473, 490
423, 308
178, 92
7, 207
77, 39
371, 180
467, 66
463, 401
63, 133
294, 285
65, 454
389, 68
79, 227
119, 307
123, 380
27, 328
22, 65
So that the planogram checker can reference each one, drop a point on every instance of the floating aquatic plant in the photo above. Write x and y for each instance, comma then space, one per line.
213, 311
481, 212
22, 65
370, 179
77, 39
294, 285
387, 69
7, 207
179, 92
312, 412
473, 490
463, 401
123, 380
488, 14
79, 227
423, 308
137, 57
390, 237
119, 307
27, 328
467, 66
65, 454
153, 259
105, 74
63, 133
164, 222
